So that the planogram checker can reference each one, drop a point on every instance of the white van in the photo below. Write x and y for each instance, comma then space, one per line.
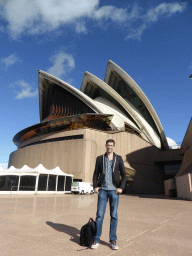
81, 188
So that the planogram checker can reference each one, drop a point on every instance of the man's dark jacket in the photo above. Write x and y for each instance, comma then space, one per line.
117, 170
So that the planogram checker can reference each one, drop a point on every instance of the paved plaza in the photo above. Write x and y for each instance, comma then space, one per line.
50, 225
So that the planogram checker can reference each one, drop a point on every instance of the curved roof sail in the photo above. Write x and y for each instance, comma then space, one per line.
119, 117
125, 86
117, 103
60, 99
94, 88
51, 89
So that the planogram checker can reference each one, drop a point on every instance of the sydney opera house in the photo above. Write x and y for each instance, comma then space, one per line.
74, 125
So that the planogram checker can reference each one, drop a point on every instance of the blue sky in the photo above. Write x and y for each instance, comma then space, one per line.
150, 40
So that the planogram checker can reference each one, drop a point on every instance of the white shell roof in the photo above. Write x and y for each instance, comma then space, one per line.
83, 97
172, 144
150, 130
119, 118
94, 105
133, 85
145, 128
102, 105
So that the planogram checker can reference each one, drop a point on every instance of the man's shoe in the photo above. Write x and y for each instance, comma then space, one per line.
114, 246
94, 245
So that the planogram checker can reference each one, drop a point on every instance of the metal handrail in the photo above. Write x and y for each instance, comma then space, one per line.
14, 187
21, 187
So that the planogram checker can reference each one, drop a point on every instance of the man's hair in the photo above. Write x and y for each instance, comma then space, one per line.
110, 140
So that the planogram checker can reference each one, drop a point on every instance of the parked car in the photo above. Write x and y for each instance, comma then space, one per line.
81, 188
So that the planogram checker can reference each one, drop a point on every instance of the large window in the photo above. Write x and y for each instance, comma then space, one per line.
27, 183
74, 137
61, 182
171, 170
9, 183
46, 182
127, 93
2, 183
52, 183
68, 183
42, 185
61, 102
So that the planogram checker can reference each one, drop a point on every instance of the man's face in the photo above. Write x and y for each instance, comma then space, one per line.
109, 147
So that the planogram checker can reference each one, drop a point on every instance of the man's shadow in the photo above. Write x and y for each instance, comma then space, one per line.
74, 233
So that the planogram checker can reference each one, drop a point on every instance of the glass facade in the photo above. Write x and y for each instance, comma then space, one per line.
68, 183
97, 121
9, 183
2, 182
61, 103
170, 170
47, 182
74, 137
126, 92
42, 184
52, 183
27, 183
123, 88
61, 182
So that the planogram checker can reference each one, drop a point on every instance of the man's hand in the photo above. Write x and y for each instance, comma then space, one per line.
119, 190
96, 190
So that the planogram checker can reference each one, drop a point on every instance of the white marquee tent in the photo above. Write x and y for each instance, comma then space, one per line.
1, 169
37, 180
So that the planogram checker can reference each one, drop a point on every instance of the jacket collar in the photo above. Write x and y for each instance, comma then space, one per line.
113, 154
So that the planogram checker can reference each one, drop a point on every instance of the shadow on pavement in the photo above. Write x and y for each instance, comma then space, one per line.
74, 233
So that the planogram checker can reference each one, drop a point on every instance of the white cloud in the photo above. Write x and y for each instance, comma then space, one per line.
136, 34
10, 60
26, 90
110, 12
63, 63
164, 9
40, 16
81, 28
154, 14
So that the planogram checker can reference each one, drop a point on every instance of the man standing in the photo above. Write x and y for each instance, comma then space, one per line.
107, 183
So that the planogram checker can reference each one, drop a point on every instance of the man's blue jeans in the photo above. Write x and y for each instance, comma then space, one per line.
103, 197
